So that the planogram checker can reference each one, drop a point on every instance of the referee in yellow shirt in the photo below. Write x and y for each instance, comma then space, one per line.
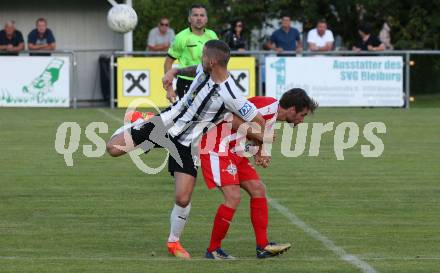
187, 48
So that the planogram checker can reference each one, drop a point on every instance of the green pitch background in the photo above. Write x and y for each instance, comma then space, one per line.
104, 215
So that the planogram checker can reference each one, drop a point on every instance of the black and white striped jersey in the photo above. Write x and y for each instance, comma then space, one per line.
204, 106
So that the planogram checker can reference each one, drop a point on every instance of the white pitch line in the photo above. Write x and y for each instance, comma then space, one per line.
339, 251
329, 244
113, 117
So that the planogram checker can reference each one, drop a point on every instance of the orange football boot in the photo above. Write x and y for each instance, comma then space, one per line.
176, 249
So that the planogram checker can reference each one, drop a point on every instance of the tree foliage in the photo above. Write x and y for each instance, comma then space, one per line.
414, 24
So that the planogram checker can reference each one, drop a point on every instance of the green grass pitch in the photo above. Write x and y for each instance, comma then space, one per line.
104, 215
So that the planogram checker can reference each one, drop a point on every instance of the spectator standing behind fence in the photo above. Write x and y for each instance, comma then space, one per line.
286, 38
234, 37
385, 36
41, 38
320, 38
160, 37
367, 41
11, 40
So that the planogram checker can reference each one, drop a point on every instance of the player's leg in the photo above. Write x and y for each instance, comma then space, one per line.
185, 178
258, 209
222, 221
251, 183
221, 172
260, 219
120, 143
184, 185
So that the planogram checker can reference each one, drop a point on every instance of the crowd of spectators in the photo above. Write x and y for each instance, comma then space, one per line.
40, 38
285, 38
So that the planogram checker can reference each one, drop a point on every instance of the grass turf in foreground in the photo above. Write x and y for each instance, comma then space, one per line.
104, 215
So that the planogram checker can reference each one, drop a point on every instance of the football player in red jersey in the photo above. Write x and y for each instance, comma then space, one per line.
224, 166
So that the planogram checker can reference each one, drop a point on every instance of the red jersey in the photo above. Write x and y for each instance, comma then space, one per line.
223, 138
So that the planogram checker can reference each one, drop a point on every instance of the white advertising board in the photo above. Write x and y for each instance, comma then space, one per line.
339, 81
34, 81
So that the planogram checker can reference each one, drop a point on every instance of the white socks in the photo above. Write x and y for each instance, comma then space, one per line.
178, 219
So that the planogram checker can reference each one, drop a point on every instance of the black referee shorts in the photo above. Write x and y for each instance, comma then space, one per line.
182, 87
153, 133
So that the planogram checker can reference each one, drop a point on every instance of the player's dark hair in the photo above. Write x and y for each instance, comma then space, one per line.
218, 50
197, 6
298, 98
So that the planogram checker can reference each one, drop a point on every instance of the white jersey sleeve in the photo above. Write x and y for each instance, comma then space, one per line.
237, 103
199, 69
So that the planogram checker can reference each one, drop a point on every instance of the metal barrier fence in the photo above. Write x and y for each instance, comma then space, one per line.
260, 57
85, 82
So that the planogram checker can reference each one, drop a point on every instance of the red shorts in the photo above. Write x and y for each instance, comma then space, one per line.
229, 169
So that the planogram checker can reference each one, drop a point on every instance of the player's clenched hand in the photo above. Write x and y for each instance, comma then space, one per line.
262, 161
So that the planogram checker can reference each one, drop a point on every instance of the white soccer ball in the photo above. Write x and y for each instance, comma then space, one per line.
122, 18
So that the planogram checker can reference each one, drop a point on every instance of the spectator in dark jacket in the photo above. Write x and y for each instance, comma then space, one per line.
11, 40
367, 41
234, 37
41, 38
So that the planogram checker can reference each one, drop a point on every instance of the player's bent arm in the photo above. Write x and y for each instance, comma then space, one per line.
254, 131
168, 63
189, 71
169, 76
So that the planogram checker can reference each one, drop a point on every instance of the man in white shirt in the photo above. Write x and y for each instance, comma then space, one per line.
320, 38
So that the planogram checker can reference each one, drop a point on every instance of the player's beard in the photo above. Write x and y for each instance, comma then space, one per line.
206, 68
291, 123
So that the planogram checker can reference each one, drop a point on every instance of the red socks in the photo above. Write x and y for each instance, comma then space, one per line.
260, 219
221, 225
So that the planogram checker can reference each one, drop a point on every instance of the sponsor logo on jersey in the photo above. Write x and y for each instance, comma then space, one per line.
245, 109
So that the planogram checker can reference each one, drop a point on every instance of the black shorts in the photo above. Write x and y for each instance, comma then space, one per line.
188, 165
182, 87
153, 133
141, 133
